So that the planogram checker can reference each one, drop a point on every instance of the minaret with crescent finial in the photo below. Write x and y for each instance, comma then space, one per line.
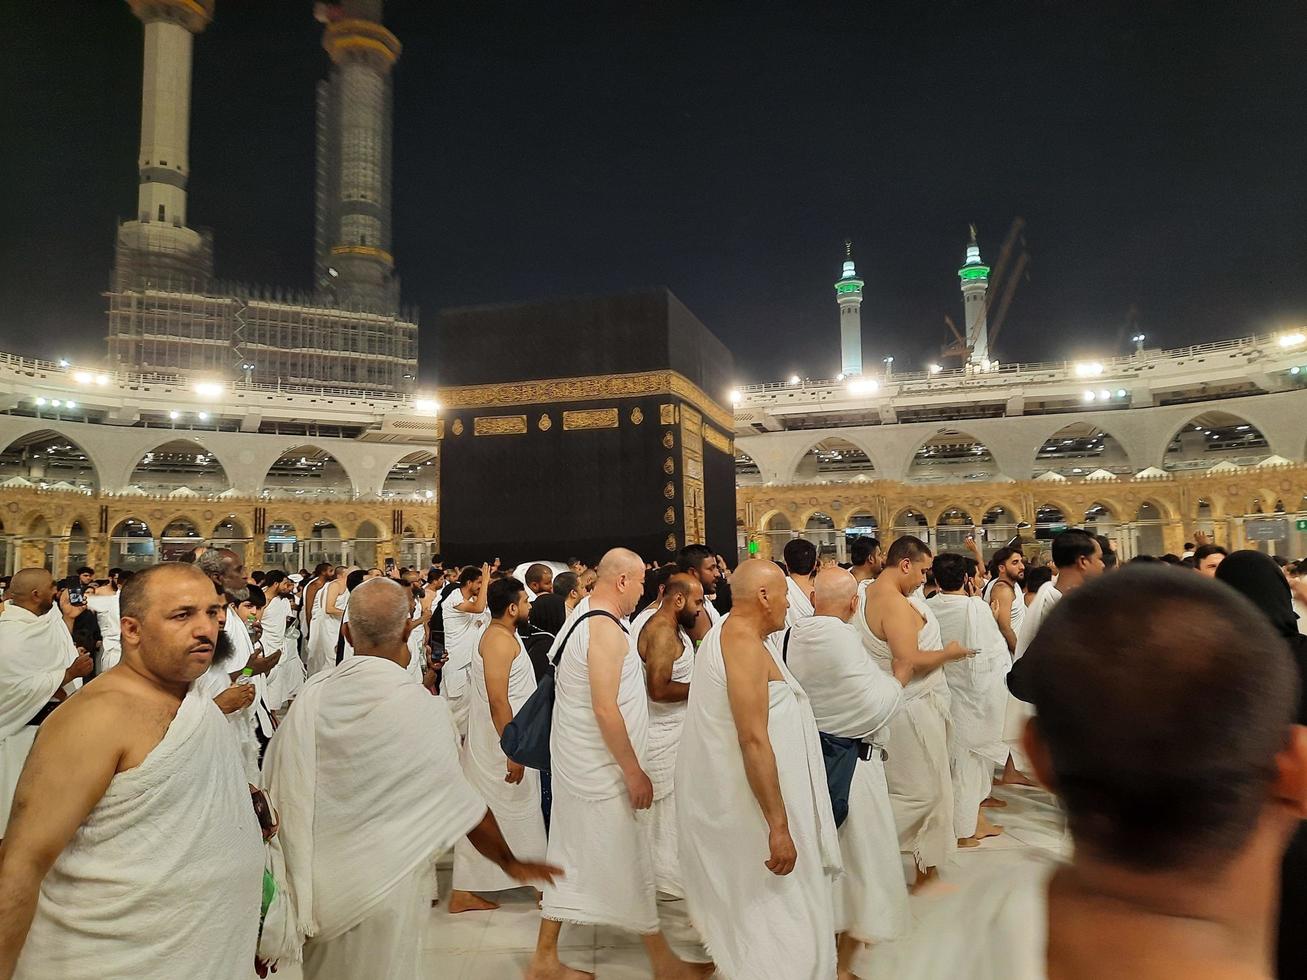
848, 294
974, 279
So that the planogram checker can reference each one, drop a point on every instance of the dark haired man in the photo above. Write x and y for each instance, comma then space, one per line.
977, 695
124, 897
664, 644
900, 632
1176, 857
1004, 595
866, 560
463, 617
800, 566
1207, 558
501, 681
539, 580
699, 561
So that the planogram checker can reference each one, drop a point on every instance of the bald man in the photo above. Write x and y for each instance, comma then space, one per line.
599, 835
133, 819
665, 647
1178, 827
854, 700
758, 843
365, 773
901, 634
39, 667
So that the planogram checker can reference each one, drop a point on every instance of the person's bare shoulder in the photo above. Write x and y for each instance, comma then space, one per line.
114, 713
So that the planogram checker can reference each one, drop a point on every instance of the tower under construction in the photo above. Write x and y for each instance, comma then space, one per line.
168, 315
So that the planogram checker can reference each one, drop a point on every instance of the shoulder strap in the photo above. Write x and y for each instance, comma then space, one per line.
785, 646
572, 629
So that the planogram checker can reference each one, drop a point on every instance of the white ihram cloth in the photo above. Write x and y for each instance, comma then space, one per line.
853, 698
253, 716
599, 841
516, 807
326, 630
286, 679
1018, 712
416, 643
800, 605
755, 924
34, 653
108, 619
364, 772
917, 748
163, 878
1018, 604
995, 927
462, 634
665, 722
978, 689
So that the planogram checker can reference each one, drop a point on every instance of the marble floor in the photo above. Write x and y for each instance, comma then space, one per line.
497, 945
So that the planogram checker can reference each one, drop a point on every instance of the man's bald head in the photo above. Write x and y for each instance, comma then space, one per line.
835, 593
758, 590
620, 580
683, 584
379, 610
1163, 703
619, 561
33, 589
683, 596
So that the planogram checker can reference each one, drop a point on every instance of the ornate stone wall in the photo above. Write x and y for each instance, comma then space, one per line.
1178, 502
38, 527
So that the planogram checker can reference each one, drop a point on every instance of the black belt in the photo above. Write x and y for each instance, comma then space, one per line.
44, 712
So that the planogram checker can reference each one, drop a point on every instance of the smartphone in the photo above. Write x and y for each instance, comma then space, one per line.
77, 596
390, 565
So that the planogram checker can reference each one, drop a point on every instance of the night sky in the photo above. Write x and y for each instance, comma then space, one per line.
1157, 151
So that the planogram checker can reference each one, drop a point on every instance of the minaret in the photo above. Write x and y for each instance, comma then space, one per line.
159, 245
848, 293
974, 277
354, 263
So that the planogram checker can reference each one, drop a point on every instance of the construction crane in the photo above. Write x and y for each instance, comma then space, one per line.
1002, 284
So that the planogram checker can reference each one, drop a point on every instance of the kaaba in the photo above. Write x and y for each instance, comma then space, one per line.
570, 426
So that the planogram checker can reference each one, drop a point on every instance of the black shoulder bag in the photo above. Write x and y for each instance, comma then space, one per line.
526, 737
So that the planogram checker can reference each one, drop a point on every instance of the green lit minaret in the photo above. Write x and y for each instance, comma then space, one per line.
848, 293
974, 277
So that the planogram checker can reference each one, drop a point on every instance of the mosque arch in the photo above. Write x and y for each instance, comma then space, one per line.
1147, 529
909, 520
953, 526
746, 470
774, 520
1099, 515
179, 465
281, 545
1051, 518
367, 536
1213, 437
835, 459
324, 543
951, 456
44, 457
180, 535
131, 544
79, 545
415, 476
309, 471
1080, 448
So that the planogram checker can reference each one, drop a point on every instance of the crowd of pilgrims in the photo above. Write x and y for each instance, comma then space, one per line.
211, 772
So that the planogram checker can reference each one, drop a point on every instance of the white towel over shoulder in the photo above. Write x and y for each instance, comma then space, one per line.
163, 878
365, 773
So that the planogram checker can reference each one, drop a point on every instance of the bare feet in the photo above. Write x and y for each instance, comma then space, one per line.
1012, 776
968, 842
993, 801
555, 971
924, 879
684, 970
986, 829
469, 902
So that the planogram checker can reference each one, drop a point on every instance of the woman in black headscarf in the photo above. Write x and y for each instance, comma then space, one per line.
1260, 580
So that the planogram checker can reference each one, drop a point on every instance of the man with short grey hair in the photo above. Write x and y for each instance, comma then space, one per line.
365, 774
